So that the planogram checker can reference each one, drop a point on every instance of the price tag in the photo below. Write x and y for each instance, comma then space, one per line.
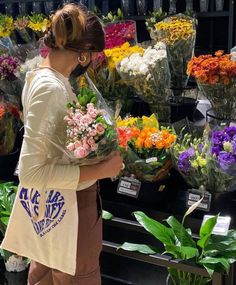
194, 195
151, 159
222, 225
129, 186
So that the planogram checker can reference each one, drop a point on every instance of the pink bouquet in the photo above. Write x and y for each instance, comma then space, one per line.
90, 132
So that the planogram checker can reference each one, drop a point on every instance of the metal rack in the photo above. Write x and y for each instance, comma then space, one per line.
158, 259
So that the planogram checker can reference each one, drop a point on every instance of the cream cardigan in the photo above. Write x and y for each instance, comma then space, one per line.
53, 240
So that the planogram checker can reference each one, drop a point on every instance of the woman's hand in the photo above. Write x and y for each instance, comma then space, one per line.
108, 168
112, 166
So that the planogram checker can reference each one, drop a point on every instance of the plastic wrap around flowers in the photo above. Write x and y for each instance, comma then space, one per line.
149, 75
223, 147
145, 147
179, 34
91, 135
207, 162
216, 78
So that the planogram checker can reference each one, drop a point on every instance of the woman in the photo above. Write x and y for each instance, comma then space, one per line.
65, 244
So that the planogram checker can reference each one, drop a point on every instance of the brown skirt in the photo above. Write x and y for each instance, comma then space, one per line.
89, 246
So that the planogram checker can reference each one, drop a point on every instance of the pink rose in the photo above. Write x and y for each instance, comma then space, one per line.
100, 129
80, 152
90, 106
86, 146
77, 144
91, 141
94, 147
86, 120
70, 147
93, 113
92, 133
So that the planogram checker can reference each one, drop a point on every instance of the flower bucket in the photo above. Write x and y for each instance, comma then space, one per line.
182, 107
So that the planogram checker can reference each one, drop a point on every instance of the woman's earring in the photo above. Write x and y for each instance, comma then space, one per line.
82, 59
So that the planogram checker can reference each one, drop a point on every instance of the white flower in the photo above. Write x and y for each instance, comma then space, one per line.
160, 46
16, 264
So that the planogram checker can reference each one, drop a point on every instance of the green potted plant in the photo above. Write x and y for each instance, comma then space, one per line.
13, 262
213, 252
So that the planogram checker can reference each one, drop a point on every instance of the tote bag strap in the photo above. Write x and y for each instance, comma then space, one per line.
43, 196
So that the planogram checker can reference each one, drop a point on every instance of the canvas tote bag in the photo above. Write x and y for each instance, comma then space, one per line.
44, 226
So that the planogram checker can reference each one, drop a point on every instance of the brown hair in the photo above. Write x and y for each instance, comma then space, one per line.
75, 28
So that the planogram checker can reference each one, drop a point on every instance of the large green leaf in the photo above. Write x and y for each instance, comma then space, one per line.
210, 268
142, 248
159, 231
208, 226
181, 233
221, 247
206, 231
214, 260
182, 252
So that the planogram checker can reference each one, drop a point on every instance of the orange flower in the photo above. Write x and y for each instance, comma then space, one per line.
210, 69
213, 79
219, 53
135, 132
148, 143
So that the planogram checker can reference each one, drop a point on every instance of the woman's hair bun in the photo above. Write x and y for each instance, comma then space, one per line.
49, 39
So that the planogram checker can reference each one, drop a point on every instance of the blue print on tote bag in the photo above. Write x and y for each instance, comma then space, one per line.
54, 209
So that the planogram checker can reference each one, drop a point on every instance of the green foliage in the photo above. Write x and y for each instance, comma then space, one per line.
7, 198
155, 17
113, 17
87, 96
214, 253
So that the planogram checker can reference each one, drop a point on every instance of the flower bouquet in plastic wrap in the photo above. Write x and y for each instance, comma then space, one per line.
145, 147
108, 80
207, 161
216, 78
10, 84
149, 75
154, 17
179, 34
91, 133
9, 120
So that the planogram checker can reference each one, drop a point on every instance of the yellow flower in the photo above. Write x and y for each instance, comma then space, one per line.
194, 164
128, 122
115, 55
6, 25
176, 29
201, 161
38, 22
150, 121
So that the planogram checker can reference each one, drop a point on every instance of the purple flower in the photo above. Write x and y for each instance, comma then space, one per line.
9, 67
234, 146
215, 150
184, 163
231, 131
226, 159
219, 137
200, 147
